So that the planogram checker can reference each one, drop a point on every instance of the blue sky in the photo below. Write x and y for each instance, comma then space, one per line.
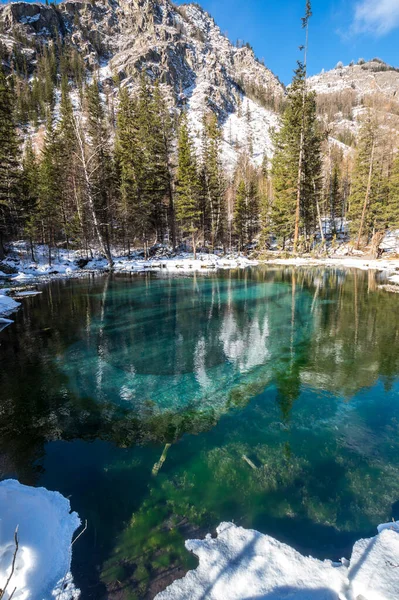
340, 30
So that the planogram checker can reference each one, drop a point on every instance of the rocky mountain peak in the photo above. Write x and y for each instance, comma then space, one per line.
364, 78
181, 46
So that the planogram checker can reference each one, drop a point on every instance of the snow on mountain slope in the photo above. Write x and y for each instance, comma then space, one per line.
346, 94
183, 47
363, 79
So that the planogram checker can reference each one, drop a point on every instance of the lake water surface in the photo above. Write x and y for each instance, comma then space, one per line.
163, 405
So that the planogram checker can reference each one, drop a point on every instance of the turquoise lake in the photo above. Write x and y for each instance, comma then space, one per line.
163, 405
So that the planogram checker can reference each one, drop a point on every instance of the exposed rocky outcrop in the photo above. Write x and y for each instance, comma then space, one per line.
347, 93
180, 46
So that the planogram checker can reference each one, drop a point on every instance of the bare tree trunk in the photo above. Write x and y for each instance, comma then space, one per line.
90, 200
49, 248
319, 218
172, 214
31, 249
302, 139
320, 222
367, 196
298, 193
375, 244
194, 246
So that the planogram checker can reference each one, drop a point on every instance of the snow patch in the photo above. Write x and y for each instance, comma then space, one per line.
7, 305
45, 530
27, 20
245, 564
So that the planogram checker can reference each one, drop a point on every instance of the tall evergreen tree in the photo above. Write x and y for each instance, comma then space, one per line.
138, 177
125, 157
66, 155
335, 203
298, 121
393, 197
364, 182
301, 161
213, 181
9, 161
188, 212
50, 183
101, 161
30, 194
265, 204
241, 214
157, 141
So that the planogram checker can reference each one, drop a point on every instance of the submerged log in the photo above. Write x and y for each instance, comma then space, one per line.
158, 465
249, 462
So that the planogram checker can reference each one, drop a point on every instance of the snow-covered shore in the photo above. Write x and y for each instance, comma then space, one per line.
239, 564
45, 529
22, 270
355, 262
242, 564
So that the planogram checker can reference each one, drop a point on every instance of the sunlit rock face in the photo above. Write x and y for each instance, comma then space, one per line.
347, 94
182, 47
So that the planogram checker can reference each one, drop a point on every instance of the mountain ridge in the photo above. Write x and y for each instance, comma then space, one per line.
197, 65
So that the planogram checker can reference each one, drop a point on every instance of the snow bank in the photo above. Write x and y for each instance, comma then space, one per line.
7, 305
244, 564
373, 572
45, 529
66, 263
388, 265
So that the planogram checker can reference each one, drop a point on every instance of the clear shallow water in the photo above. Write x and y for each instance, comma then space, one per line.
271, 394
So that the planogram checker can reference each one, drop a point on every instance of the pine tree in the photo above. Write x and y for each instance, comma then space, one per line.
299, 133
188, 213
364, 182
335, 197
246, 210
265, 204
241, 214
139, 181
9, 161
101, 163
125, 158
148, 205
213, 185
29, 194
393, 195
49, 186
66, 155
301, 157
157, 139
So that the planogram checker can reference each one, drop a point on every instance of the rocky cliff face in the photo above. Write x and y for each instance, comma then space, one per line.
372, 77
198, 67
346, 93
181, 46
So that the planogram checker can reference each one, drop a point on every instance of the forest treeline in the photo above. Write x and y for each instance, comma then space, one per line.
119, 168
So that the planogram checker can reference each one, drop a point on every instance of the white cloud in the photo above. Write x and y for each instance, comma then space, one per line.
376, 16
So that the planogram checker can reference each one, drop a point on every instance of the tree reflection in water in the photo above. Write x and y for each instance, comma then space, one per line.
294, 369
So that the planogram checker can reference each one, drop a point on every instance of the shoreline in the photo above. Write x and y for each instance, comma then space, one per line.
67, 267
360, 262
244, 563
